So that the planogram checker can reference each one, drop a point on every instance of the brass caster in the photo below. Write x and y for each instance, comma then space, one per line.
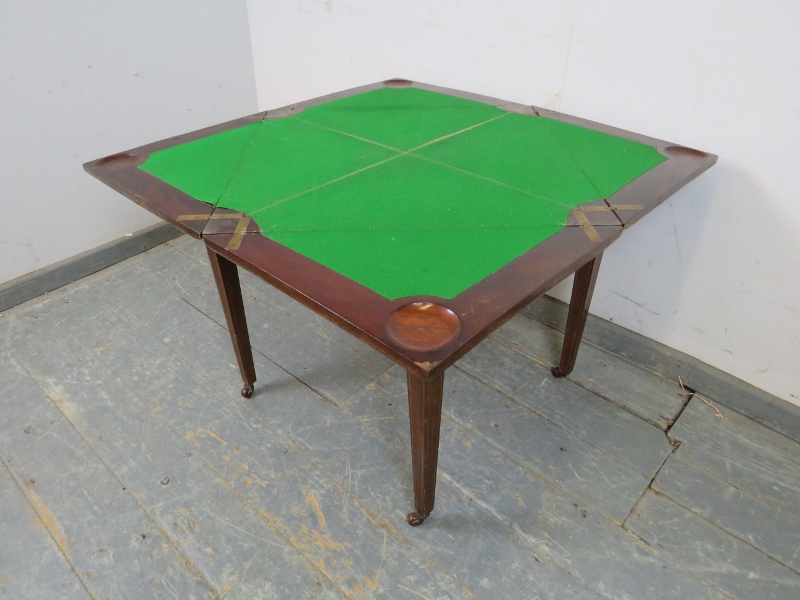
414, 519
247, 391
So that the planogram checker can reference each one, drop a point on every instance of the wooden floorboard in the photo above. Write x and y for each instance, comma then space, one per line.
670, 364
112, 545
593, 476
333, 369
639, 391
774, 532
132, 468
749, 456
725, 562
582, 413
31, 564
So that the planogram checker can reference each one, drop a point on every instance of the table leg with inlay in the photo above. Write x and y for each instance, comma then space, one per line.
226, 276
582, 290
425, 412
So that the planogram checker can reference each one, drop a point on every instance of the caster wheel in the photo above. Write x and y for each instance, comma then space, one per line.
414, 519
556, 373
247, 391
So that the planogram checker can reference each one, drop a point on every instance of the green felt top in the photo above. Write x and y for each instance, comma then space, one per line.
406, 191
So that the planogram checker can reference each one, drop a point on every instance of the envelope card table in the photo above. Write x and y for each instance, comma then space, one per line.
418, 218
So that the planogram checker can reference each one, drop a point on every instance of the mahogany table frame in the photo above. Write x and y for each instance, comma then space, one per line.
424, 348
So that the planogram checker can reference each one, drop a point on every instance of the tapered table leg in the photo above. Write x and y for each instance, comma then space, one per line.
582, 289
425, 410
230, 294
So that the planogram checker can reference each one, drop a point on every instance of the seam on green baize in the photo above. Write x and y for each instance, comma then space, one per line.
401, 118
560, 161
411, 227
202, 168
289, 157
472, 174
409, 192
608, 161
245, 168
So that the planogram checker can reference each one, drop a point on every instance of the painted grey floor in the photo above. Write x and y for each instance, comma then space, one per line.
131, 467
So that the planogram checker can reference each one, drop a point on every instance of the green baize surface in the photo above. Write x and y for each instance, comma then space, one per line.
406, 191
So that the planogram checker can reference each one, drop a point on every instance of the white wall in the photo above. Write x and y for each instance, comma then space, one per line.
86, 78
715, 272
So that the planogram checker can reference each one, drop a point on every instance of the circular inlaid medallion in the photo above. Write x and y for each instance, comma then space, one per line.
422, 326
123, 160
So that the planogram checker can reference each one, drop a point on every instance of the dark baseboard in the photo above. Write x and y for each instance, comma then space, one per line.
45, 280
708, 381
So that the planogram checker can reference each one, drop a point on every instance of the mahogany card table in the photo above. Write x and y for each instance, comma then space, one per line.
418, 218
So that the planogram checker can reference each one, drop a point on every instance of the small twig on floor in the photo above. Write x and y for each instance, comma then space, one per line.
719, 414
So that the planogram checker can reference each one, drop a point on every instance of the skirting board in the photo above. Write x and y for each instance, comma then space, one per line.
45, 280
708, 381
712, 383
